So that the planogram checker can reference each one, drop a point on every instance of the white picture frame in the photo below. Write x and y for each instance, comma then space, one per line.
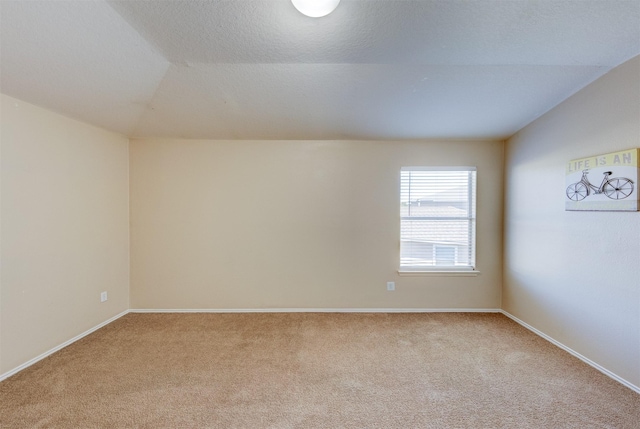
607, 182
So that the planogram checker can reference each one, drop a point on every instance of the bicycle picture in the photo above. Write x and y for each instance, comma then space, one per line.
616, 188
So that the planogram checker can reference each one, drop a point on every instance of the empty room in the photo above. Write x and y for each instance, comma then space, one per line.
319, 214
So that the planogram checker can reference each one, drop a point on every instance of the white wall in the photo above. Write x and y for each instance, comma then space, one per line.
576, 275
65, 229
295, 224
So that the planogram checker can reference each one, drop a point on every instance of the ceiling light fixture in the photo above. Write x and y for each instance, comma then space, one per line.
315, 8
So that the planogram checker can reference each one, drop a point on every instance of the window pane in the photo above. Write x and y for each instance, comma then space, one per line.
445, 255
437, 209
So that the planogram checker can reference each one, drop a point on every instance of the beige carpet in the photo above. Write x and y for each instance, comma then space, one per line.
314, 371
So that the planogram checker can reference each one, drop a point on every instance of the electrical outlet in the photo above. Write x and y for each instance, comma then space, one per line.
391, 285
103, 297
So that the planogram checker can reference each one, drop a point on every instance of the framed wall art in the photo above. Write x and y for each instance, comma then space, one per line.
606, 182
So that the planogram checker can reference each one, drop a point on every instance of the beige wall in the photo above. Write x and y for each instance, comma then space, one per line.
64, 223
294, 224
576, 275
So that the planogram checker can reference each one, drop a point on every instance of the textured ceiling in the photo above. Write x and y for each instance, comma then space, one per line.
258, 69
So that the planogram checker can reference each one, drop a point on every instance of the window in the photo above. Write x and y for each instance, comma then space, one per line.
438, 219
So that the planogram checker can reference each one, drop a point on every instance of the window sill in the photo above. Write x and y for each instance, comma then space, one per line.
445, 273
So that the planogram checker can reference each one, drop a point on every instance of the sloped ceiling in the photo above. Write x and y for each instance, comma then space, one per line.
258, 69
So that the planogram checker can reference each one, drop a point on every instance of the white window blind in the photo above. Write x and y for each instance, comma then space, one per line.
438, 218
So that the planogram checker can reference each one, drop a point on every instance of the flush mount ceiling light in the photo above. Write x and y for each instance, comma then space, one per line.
315, 8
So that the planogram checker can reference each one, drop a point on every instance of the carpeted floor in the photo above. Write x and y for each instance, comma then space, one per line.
314, 370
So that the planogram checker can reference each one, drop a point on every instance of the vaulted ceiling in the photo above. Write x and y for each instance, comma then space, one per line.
258, 69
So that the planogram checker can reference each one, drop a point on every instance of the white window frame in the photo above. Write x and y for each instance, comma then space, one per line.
457, 270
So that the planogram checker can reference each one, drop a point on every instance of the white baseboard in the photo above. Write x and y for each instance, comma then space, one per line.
573, 352
60, 347
315, 310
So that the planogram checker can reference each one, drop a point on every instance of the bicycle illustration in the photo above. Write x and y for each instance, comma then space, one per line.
616, 188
